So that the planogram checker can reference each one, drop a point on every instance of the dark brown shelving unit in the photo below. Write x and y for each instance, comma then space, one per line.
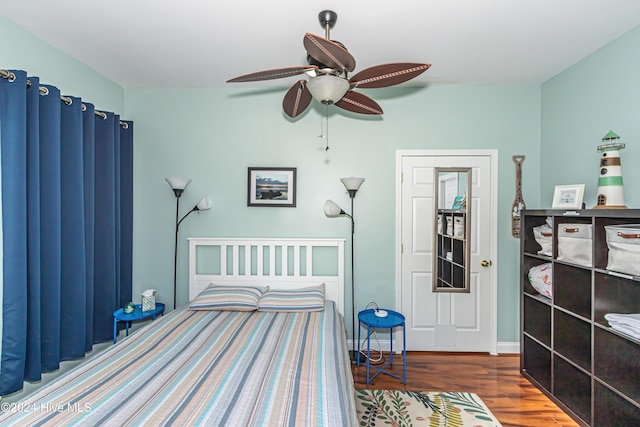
567, 348
452, 270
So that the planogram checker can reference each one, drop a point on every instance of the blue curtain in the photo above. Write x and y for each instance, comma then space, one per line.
34, 355
89, 160
67, 202
126, 213
73, 261
50, 229
105, 270
13, 155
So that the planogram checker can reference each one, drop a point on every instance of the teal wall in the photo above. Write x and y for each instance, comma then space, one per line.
213, 135
579, 106
21, 50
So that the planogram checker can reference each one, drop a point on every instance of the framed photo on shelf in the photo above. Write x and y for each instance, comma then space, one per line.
568, 196
458, 203
275, 187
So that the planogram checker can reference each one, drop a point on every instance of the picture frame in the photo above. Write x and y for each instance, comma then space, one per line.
458, 203
568, 196
271, 187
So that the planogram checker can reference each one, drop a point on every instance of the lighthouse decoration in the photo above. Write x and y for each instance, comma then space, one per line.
610, 192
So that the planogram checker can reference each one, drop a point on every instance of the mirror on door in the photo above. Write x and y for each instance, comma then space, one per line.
451, 244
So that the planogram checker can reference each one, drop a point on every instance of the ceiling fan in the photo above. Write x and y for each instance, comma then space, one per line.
329, 64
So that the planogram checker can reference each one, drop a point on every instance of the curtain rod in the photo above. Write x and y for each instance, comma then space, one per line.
44, 91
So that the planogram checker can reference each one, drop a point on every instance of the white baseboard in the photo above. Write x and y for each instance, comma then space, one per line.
502, 347
508, 348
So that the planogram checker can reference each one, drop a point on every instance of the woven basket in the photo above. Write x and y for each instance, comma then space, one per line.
148, 303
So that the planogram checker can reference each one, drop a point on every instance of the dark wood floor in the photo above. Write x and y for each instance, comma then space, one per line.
496, 379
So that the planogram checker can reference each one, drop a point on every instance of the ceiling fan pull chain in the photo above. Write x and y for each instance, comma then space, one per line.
326, 122
324, 125
321, 124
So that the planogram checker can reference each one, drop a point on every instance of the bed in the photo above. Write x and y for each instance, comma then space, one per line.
282, 366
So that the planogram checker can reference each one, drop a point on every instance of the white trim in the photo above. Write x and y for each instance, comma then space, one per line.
509, 348
493, 154
502, 347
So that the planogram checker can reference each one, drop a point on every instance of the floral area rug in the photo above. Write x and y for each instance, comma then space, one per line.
404, 408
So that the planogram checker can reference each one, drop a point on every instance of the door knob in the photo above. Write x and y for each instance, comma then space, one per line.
485, 263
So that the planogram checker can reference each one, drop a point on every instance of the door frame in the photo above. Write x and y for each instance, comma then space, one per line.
493, 285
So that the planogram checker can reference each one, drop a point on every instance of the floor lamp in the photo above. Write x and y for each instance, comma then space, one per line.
178, 185
332, 210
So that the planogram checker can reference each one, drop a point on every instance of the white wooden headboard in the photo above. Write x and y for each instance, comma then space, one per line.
279, 263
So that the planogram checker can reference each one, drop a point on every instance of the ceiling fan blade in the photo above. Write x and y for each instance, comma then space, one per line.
387, 74
297, 99
277, 73
358, 103
328, 53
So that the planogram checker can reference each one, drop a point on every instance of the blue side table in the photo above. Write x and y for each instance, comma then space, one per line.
120, 316
371, 321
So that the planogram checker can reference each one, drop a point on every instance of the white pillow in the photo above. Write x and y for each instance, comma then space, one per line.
541, 278
228, 298
293, 300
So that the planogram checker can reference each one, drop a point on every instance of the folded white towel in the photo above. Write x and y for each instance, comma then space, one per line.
625, 323
615, 316
632, 332
628, 317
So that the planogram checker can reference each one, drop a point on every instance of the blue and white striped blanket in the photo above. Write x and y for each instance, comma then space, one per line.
208, 368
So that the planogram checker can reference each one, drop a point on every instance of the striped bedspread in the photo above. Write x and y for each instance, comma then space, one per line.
208, 368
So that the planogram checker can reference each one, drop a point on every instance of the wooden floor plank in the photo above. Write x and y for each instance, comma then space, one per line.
496, 379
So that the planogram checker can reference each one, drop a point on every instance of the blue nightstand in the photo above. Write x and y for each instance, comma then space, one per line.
371, 321
120, 316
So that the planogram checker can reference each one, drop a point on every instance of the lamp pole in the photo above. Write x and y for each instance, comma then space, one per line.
352, 185
175, 250
354, 355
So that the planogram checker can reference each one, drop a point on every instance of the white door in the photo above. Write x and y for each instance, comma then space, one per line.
437, 321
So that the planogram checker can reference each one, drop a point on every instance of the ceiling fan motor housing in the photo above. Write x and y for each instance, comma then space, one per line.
312, 61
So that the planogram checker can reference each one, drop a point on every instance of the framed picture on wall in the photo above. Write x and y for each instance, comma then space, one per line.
275, 187
568, 196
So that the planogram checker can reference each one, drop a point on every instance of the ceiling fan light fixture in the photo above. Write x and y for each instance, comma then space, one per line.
328, 89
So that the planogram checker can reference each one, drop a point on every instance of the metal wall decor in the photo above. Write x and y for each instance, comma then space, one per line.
518, 204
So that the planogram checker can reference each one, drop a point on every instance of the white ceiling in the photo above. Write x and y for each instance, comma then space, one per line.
198, 43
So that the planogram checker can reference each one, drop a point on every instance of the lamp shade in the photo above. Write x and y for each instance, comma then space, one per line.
332, 210
328, 89
178, 183
352, 183
204, 203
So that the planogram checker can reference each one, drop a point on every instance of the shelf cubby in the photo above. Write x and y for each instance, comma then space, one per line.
572, 338
572, 387
572, 288
537, 321
614, 294
616, 362
609, 405
536, 362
